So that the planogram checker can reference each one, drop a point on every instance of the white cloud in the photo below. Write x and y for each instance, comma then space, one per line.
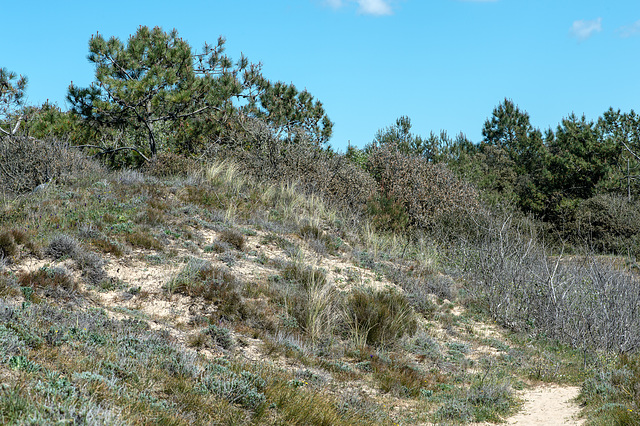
374, 7
365, 7
629, 30
582, 30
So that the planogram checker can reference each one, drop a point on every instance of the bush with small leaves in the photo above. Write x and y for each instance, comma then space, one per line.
423, 189
62, 245
233, 238
8, 246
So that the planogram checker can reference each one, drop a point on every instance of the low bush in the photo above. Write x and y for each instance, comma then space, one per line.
26, 163
379, 318
233, 238
318, 171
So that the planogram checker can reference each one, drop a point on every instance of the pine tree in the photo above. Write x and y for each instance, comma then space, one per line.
12, 91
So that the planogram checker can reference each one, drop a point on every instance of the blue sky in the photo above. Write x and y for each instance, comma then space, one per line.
444, 63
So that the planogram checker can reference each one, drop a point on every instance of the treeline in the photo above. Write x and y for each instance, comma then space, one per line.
158, 103
580, 180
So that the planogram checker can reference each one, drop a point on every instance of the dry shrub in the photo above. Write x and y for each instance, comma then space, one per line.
425, 190
62, 245
26, 163
48, 278
8, 246
233, 238
317, 170
167, 164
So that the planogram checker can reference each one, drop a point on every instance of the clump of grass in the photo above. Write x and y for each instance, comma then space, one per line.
48, 278
378, 318
233, 238
143, 240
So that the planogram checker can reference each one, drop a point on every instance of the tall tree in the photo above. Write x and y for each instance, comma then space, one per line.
149, 81
12, 97
155, 83
399, 136
581, 158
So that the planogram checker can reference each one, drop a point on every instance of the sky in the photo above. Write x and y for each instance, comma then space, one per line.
446, 64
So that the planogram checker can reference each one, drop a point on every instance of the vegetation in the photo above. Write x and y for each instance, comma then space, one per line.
216, 262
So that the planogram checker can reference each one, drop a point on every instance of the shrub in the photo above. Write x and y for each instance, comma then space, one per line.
425, 190
60, 246
91, 265
244, 388
48, 278
143, 240
221, 336
609, 223
587, 302
318, 171
232, 237
28, 162
167, 164
8, 246
379, 317
199, 278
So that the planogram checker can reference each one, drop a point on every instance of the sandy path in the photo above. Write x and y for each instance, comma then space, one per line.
548, 405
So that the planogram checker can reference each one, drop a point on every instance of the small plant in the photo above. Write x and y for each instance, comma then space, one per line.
8, 246
47, 278
60, 246
379, 317
221, 336
143, 240
233, 238
244, 388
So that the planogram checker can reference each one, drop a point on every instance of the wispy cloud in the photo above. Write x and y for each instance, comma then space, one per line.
365, 7
582, 30
374, 7
629, 30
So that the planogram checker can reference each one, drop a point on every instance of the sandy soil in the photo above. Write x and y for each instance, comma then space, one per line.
548, 405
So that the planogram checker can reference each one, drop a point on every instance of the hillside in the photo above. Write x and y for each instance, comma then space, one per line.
214, 299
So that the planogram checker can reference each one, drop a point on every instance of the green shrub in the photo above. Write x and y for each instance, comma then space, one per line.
379, 317
244, 388
221, 336
388, 214
610, 223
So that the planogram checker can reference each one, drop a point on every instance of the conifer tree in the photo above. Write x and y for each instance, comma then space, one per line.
155, 82
12, 91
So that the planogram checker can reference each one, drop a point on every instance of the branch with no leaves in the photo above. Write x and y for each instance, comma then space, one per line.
106, 151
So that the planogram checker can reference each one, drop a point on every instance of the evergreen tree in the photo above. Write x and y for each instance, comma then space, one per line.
12, 91
154, 84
